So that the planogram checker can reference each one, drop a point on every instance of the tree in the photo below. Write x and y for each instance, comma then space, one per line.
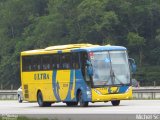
134, 40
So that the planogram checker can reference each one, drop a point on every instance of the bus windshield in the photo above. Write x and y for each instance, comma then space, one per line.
110, 68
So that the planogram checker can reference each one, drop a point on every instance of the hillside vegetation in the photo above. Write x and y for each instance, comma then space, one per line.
34, 24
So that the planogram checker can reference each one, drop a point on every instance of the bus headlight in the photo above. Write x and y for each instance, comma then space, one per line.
97, 91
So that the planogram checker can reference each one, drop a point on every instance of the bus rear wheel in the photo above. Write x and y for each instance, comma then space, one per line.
81, 100
115, 102
41, 103
71, 103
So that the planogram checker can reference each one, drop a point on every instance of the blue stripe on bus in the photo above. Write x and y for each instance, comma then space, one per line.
123, 89
59, 51
68, 98
99, 48
55, 85
81, 84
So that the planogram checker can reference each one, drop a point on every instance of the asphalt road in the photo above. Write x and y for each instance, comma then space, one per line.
134, 107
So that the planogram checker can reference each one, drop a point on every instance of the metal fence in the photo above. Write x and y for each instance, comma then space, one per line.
8, 94
138, 93
146, 93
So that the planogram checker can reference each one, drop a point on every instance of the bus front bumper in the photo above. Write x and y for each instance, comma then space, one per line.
98, 97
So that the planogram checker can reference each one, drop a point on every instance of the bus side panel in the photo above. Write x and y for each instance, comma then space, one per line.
61, 84
82, 85
72, 92
66, 83
71, 95
39, 80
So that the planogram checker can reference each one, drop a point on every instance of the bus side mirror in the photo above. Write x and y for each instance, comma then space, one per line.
132, 64
89, 68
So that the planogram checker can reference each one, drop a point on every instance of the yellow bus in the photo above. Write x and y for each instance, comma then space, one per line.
76, 74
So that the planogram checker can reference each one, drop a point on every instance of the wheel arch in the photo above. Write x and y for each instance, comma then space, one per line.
38, 92
78, 91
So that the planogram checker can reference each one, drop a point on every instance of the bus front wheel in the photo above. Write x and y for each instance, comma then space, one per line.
41, 102
115, 102
81, 101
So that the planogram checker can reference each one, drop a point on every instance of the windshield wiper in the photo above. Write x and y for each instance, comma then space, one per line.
114, 77
105, 83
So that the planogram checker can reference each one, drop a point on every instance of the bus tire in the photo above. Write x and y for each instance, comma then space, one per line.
81, 101
115, 102
47, 104
71, 104
40, 101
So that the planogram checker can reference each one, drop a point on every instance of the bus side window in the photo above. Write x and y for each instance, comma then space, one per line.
65, 61
36, 63
30, 67
83, 60
26, 63
46, 62
58, 61
54, 61
75, 61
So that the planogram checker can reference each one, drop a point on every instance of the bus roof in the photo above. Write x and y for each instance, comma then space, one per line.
72, 48
100, 48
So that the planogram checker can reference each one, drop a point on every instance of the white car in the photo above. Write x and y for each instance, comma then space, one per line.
20, 95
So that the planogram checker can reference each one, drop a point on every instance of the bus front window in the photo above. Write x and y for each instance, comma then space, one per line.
110, 68
101, 68
120, 67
